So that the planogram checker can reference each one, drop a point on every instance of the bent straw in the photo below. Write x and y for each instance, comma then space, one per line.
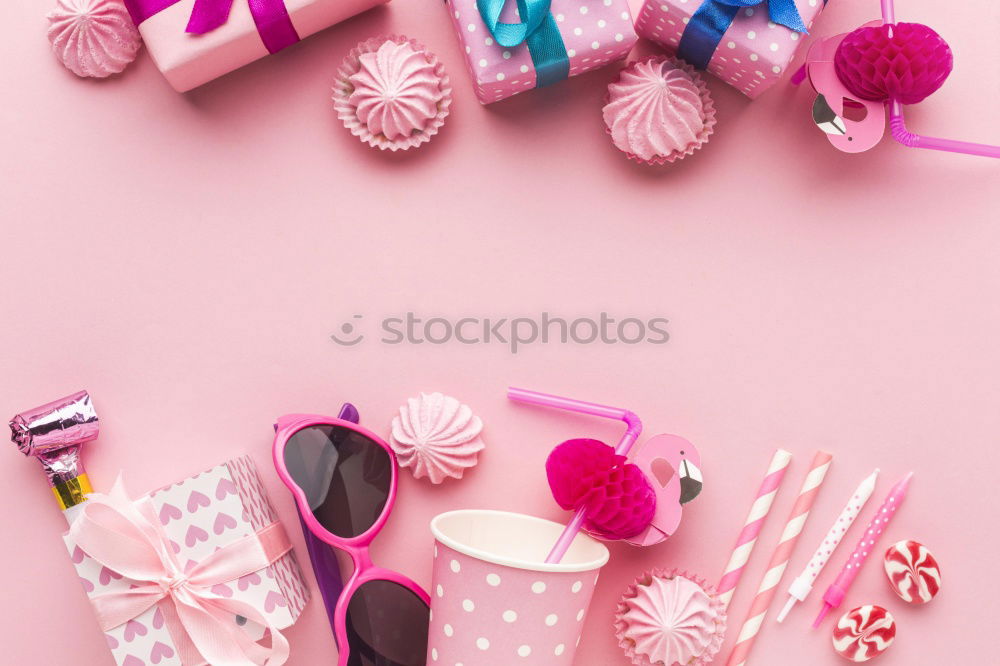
897, 124
779, 559
631, 434
751, 528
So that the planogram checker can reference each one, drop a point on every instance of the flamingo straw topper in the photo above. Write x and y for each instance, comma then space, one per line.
881, 64
640, 502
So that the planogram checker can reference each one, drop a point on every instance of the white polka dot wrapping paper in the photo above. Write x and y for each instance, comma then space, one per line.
754, 52
495, 602
594, 32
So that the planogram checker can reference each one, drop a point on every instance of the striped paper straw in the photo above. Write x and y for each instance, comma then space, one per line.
779, 560
751, 528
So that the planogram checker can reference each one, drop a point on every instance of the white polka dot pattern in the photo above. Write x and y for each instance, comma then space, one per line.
490, 615
595, 33
753, 54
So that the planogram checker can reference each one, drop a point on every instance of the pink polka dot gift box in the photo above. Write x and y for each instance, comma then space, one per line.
508, 53
748, 47
197, 572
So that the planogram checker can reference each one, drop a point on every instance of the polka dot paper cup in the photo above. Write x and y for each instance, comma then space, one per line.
494, 600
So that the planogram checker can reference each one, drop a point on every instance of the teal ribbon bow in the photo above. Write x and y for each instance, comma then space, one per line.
704, 31
537, 29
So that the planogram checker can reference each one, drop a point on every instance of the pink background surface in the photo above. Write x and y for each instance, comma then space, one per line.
186, 257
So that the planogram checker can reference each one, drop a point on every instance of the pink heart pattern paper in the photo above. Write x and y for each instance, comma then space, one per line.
223, 522
159, 652
201, 514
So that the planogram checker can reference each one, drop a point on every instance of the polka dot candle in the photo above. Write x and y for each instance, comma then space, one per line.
595, 33
494, 600
802, 586
752, 55
836, 593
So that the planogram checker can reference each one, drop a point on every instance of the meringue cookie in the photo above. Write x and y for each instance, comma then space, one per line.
670, 619
93, 38
437, 436
392, 93
659, 110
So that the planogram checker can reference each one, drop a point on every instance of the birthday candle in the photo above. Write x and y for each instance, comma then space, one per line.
835, 594
802, 586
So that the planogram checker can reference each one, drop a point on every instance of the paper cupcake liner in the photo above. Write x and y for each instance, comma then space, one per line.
708, 106
621, 623
346, 111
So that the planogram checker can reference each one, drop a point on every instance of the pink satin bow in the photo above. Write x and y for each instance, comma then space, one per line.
127, 537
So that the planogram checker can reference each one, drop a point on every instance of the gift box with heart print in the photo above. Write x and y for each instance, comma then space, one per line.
200, 515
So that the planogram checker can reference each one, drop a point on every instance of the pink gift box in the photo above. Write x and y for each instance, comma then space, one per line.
189, 60
754, 52
595, 33
199, 515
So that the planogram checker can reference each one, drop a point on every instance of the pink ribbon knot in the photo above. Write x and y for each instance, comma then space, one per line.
126, 537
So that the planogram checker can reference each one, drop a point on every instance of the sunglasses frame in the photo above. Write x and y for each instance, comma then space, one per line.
358, 547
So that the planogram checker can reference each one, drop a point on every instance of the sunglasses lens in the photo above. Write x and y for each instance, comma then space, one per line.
386, 626
345, 475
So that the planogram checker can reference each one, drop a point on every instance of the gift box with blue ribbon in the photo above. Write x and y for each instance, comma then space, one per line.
749, 44
516, 45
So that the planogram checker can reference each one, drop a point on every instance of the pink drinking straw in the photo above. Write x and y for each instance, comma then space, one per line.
751, 527
898, 126
835, 594
632, 432
779, 559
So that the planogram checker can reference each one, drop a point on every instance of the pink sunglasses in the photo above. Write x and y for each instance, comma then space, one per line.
343, 478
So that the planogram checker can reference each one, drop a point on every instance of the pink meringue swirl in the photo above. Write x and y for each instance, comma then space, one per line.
396, 90
670, 621
655, 110
93, 38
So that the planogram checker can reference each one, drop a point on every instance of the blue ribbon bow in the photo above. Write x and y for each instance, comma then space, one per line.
707, 26
537, 29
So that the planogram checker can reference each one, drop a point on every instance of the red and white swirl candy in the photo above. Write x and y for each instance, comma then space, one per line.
913, 572
864, 633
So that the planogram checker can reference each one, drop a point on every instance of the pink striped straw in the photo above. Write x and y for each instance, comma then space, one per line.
779, 560
751, 528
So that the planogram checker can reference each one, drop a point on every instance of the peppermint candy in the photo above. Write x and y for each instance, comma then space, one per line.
913, 572
864, 633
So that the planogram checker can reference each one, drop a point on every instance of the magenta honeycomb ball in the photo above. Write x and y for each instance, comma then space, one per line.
588, 474
905, 61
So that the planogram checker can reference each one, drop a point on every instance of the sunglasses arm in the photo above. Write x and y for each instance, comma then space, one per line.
327, 570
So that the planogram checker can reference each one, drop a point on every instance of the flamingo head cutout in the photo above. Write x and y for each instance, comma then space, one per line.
673, 466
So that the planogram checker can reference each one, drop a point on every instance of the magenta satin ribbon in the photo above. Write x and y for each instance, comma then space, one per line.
127, 537
271, 17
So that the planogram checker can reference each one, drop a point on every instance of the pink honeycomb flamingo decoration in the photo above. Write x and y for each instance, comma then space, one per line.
881, 64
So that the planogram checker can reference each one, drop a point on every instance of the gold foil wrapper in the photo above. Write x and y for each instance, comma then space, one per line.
72, 492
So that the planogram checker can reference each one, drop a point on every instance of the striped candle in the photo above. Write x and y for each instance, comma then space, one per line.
779, 560
751, 528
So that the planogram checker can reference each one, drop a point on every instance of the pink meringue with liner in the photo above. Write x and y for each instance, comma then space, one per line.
392, 93
659, 110
93, 38
670, 619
